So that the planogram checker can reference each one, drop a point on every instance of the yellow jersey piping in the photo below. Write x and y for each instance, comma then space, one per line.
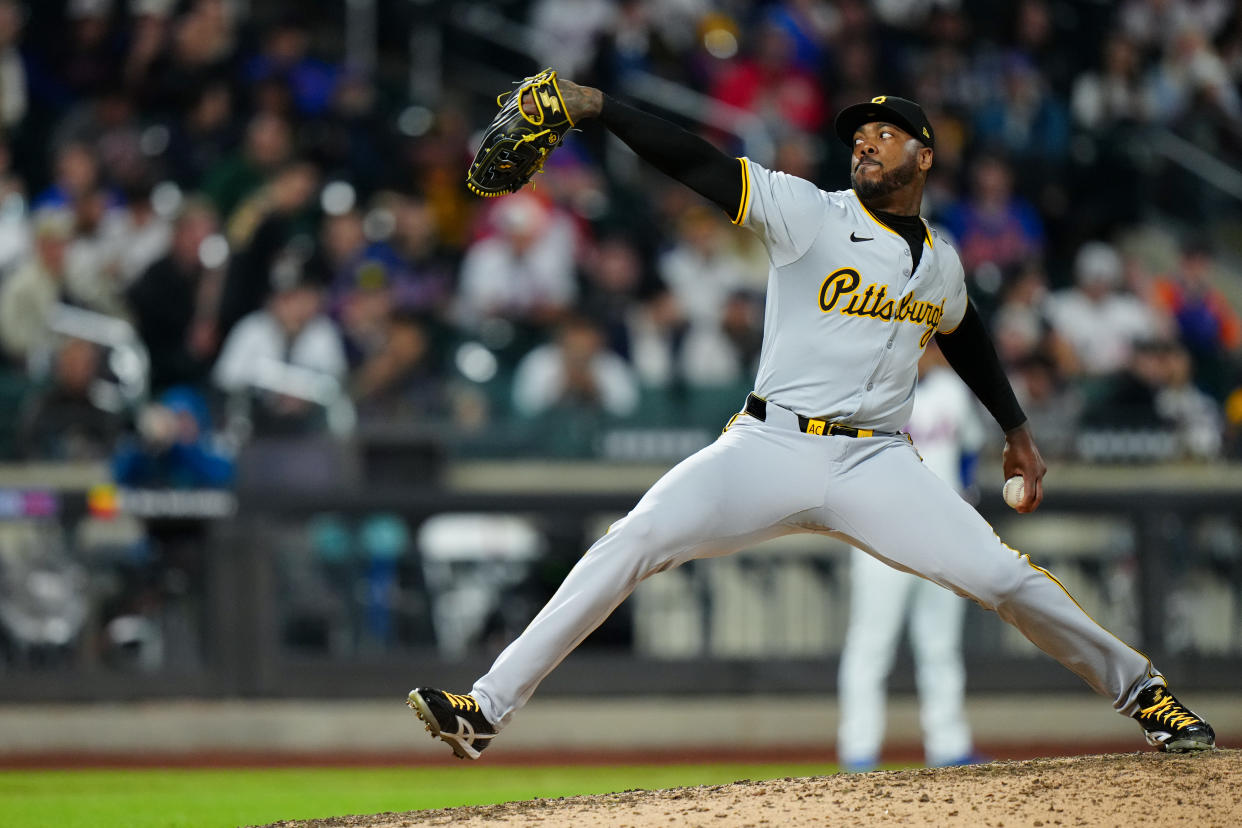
872, 216
743, 206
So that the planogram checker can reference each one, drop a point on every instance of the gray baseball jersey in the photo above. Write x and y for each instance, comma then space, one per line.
846, 322
846, 319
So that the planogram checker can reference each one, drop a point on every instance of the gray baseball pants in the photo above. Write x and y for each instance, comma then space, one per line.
765, 479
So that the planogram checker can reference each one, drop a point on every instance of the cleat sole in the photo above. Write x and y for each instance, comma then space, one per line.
1187, 746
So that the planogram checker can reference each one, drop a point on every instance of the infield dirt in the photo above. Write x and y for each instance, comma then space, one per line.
1204, 790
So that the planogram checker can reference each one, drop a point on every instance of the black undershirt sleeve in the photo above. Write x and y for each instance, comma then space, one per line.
972, 355
677, 153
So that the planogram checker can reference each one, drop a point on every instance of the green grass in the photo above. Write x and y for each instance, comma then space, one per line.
191, 798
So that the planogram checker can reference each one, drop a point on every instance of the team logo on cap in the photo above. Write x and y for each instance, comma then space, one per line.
926, 134
879, 99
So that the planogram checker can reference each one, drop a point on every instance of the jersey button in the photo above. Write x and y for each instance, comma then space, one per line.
906, 252
869, 386
905, 272
890, 344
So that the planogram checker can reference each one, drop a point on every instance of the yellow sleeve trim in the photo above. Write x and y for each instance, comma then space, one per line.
744, 206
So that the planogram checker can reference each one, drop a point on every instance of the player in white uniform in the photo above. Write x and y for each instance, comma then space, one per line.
948, 434
857, 287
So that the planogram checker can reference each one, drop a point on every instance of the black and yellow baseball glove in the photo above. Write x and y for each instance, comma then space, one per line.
516, 143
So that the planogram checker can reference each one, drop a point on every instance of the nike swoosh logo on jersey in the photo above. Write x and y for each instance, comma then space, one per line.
855, 238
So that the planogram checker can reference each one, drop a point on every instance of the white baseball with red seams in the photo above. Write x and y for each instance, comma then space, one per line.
1014, 491
847, 318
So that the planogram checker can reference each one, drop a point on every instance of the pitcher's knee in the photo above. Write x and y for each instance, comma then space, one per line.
991, 587
638, 545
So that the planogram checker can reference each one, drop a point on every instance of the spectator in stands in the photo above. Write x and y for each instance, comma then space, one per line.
524, 272
1022, 326
1028, 123
575, 372
704, 267
423, 278
201, 51
1130, 400
90, 60
355, 134
567, 32
1196, 417
1155, 395
268, 147
65, 421
172, 448
1111, 95
76, 169
343, 240
1189, 73
1207, 324
109, 124
811, 25
728, 353
944, 65
392, 375
382, 316
615, 280
14, 97
435, 160
27, 296
15, 235
856, 71
650, 37
1100, 320
288, 357
93, 258
175, 302
1154, 24
1233, 422
770, 83
1052, 405
150, 31
1048, 41
993, 225
141, 235
288, 194
203, 137
281, 213
285, 57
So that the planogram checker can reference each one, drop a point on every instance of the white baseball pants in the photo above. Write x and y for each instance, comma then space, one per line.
764, 479
881, 599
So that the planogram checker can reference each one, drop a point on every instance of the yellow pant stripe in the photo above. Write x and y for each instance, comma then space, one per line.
1023, 556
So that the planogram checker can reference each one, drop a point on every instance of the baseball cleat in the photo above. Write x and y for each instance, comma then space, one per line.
454, 719
1170, 725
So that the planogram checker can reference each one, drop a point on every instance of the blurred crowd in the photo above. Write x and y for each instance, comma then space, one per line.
214, 227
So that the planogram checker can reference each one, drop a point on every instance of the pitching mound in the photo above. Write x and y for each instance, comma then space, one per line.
1122, 789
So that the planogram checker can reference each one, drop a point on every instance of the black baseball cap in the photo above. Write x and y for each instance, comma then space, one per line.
903, 113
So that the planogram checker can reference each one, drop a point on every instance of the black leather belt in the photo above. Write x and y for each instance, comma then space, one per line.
757, 407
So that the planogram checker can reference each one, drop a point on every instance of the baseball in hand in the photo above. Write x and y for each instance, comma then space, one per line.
1014, 491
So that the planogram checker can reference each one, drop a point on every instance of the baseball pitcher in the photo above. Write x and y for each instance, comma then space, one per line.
858, 285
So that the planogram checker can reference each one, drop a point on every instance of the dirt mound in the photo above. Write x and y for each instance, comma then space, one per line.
1119, 789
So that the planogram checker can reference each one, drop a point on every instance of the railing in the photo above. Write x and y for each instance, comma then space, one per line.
1197, 161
